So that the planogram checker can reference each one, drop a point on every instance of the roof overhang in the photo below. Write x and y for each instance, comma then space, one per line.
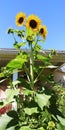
8, 54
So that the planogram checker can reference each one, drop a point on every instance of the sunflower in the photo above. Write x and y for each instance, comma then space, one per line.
33, 22
43, 31
20, 17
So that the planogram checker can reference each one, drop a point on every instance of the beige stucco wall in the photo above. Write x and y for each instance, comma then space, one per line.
59, 76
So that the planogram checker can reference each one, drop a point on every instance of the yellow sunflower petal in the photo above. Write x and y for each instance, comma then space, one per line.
33, 22
43, 31
20, 18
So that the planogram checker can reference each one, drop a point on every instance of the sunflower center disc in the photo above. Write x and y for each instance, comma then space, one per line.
20, 20
33, 24
41, 30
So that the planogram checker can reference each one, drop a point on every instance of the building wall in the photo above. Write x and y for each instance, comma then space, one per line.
59, 76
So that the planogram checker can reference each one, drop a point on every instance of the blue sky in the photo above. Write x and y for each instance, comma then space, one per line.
52, 13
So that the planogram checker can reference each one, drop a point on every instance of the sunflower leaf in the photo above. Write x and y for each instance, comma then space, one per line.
4, 120
19, 45
60, 127
42, 99
62, 120
25, 128
30, 111
43, 58
17, 63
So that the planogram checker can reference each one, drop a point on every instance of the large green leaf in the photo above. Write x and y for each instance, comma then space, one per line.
42, 99
11, 128
62, 120
4, 120
18, 62
43, 58
60, 127
15, 119
9, 121
30, 111
41, 128
10, 93
25, 128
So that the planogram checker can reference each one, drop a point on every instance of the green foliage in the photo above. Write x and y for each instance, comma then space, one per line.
60, 127
42, 100
43, 58
30, 111
11, 128
18, 62
4, 120
19, 45
10, 93
25, 128
60, 92
39, 106
9, 121
62, 120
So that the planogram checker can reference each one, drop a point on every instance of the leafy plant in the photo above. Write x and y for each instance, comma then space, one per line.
36, 102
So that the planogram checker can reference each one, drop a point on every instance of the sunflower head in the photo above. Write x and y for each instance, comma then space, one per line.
43, 31
33, 22
20, 18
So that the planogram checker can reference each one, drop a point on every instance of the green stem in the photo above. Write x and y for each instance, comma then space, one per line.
31, 67
27, 72
38, 76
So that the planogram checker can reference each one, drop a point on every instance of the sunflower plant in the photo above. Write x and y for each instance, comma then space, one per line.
36, 102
